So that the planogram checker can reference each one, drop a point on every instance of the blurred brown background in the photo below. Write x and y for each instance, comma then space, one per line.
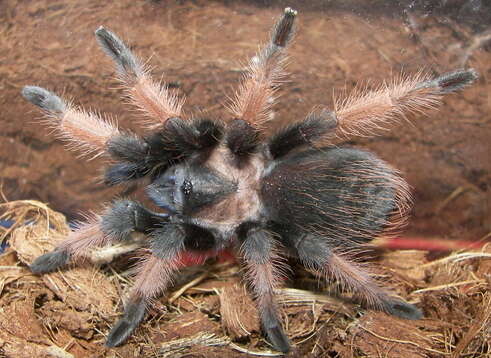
200, 46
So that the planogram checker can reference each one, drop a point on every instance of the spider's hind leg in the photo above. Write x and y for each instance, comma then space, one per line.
261, 263
154, 276
133, 314
117, 223
316, 254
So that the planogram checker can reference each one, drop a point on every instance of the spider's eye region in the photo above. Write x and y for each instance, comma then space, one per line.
171, 181
187, 187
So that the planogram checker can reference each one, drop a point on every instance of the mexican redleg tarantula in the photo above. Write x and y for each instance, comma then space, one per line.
230, 186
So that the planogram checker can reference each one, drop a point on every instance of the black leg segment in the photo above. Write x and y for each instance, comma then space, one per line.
242, 139
402, 309
261, 262
127, 216
133, 315
44, 99
50, 262
452, 81
312, 128
316, 254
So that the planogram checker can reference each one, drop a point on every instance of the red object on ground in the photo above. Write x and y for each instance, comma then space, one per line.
427, 244
191, 258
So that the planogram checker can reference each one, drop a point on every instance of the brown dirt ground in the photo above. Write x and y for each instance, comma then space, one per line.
199, 46
207, 313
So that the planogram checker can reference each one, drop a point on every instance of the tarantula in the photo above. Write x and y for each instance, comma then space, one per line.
231, 186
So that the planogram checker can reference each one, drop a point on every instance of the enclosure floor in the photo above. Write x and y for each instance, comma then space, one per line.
208, 313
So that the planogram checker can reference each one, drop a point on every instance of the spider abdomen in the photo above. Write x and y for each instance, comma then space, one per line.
338, 193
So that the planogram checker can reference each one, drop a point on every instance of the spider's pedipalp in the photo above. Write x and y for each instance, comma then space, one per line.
366, 113
263, 273
175, 141
117, 223
126, 147
81, 130
253, 101
125, 216
150, 97
133, 157
50, 262
120, 173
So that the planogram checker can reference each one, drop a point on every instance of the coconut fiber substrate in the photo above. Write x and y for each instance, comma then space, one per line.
207, 313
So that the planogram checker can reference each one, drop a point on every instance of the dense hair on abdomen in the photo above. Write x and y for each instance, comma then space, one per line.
338, 193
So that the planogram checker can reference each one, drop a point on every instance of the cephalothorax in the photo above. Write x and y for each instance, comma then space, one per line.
230, 186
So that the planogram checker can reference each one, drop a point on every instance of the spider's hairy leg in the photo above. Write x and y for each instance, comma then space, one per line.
133, 157
242, 139
79, 240
313, 127
134, 313
124, 217
262, 271
366, 113
156, 101
154, 276
316, 254
452, 81
177, 139
80, 129
253, 100
116, 224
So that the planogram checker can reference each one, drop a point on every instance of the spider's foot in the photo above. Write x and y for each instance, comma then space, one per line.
457, 80
290, 12
404, 310
132, 317
278, 338
50, 262
44, 99
111, 44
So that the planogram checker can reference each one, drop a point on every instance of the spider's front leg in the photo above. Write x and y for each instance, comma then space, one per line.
316, 254
154, 276
252, 105
261, 262
154, 100
117, 223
